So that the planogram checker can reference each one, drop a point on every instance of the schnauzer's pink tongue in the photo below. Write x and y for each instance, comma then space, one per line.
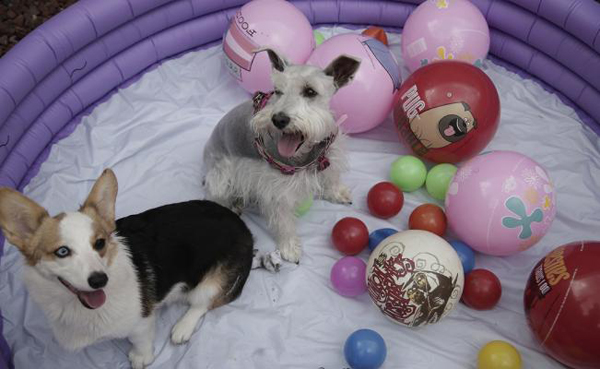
94, 299
288, 143
449, 131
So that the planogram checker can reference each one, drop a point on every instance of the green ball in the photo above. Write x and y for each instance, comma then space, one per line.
304, 207
319, 38
408, 173
438, 180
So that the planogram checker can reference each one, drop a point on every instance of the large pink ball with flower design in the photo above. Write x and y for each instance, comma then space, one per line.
445, 29
500, 203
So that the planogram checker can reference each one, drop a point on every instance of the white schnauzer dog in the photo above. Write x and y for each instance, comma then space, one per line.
280, 148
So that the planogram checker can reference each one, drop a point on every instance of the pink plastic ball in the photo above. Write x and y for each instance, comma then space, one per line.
367, 99
445, 29
500, 203
275, 24
348, 276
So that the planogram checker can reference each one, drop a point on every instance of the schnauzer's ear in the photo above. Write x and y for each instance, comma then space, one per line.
342, 69
277, 62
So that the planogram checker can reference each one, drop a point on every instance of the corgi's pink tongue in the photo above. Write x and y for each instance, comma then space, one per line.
93, 299
288, 144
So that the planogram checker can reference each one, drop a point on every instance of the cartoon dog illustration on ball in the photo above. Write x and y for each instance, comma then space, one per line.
443, 125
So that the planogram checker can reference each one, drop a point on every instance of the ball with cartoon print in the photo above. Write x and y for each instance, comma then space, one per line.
447, 112
445, 29
500, 203
562, 304
415, 278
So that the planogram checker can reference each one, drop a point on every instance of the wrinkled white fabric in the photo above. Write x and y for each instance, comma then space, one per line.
152, 134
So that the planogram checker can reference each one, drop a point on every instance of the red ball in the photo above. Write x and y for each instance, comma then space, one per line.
385, 200
562, 304
428, 217
482, 290
447, 111
350, 235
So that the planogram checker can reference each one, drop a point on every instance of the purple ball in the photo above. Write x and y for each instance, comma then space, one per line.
348, 276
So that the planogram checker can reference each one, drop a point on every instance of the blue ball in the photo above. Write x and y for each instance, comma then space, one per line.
365, 349
466, 255
379, 235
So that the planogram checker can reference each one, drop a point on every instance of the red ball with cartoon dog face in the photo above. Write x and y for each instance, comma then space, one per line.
447, 112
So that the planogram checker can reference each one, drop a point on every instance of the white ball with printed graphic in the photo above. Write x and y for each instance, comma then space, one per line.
274, 24
415, 278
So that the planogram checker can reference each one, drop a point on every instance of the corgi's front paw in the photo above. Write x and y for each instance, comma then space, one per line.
182, 332
139, 360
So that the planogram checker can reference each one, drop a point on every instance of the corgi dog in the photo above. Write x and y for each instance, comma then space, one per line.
98, 278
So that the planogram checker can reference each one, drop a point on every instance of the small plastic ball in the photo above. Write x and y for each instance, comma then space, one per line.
482, 290
348, 276
466, 255
350, 235
385, 200
365, 349
319, 38
408, 173
428, 217
438, 180
377, 33
304, 207
379, 235
499, 355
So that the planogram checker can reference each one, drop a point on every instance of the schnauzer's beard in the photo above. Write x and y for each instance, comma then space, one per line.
296, 143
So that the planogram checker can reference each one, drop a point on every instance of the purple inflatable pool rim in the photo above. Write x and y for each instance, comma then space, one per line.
61, 70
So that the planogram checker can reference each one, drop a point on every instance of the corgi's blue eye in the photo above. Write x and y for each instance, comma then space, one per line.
62, 252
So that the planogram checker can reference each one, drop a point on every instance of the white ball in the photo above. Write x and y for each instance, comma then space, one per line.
415, 278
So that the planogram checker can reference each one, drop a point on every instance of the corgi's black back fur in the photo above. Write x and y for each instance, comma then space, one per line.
182, 242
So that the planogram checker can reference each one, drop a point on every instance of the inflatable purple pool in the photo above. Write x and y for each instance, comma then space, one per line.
63, 69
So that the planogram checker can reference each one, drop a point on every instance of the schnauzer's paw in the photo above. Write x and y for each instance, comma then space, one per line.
339, 195
182, 332
271, 262
237, 206
291, 250
139, 360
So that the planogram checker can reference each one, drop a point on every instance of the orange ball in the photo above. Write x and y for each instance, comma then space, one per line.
428, 217
377, 33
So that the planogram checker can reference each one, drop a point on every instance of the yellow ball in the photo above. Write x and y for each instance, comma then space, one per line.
499, 355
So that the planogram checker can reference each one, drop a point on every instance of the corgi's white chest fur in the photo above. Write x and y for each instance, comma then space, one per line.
74, 325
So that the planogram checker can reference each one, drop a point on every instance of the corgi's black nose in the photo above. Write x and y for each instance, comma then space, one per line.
280, 120
97, 280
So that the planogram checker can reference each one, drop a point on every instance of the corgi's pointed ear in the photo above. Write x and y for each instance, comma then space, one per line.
20, 217
277, 62
103, 196
342, 69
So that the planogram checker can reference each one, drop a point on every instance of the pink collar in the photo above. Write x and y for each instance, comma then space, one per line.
321, 162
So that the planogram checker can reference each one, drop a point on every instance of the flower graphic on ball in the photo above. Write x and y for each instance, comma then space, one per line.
516, 205
442, 4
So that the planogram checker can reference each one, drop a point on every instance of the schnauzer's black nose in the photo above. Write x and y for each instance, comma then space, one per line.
97, 280
280, 120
